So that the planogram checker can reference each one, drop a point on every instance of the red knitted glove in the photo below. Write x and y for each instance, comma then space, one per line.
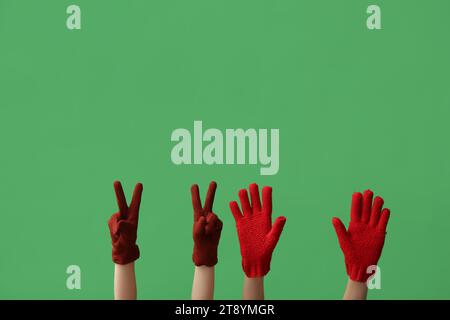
363, 242
207, 228
123, 226
257, 236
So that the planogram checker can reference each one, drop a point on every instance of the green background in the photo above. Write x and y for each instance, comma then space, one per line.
356, 109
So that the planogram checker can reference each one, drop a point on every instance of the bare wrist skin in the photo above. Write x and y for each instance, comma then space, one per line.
253, 288
125, 282
355, 290
203, 286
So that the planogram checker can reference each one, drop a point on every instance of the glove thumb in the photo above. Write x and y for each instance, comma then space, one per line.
113, 224
341, 232
274, 235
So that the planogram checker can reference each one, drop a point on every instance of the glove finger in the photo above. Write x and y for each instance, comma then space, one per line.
125, 227
367, 206
267, 199
384, 219
211, 223
196, 202
211, 218
126, 232
237, 214
133, 211
210, 197
254, 194
121, 200
219, 224
208, 229
245, 204
376, 211
113, 223
199, 227
274, 235
340, 230
355, 214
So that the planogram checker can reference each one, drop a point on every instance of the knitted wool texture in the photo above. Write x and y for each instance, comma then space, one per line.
257, 236
363, 242
207, 228
123, 226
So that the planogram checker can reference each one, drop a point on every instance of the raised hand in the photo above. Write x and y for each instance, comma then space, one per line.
207, 228
123, 226
257, 236
363, 242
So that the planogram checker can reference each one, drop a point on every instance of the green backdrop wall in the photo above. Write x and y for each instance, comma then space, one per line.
356, 109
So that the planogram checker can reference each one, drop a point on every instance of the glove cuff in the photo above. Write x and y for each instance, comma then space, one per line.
204, 260
358, 273
125, 255
253, 270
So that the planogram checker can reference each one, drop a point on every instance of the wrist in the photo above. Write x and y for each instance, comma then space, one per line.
355, 290
358, 273
125, 255
204, 259
253, 288
128, 266
356, 284
253, 279
204, 269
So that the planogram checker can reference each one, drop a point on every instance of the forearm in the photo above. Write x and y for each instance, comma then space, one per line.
125, 282
355, 290
203, 286
253, 288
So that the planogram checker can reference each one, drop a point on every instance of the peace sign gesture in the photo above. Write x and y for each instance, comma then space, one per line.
123, 226
207, 228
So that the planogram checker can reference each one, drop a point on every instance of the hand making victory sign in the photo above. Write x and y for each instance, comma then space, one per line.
206, 234
123, 227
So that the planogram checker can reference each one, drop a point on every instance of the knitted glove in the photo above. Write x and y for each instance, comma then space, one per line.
207, 228
123, 226
257, 236
363, 242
